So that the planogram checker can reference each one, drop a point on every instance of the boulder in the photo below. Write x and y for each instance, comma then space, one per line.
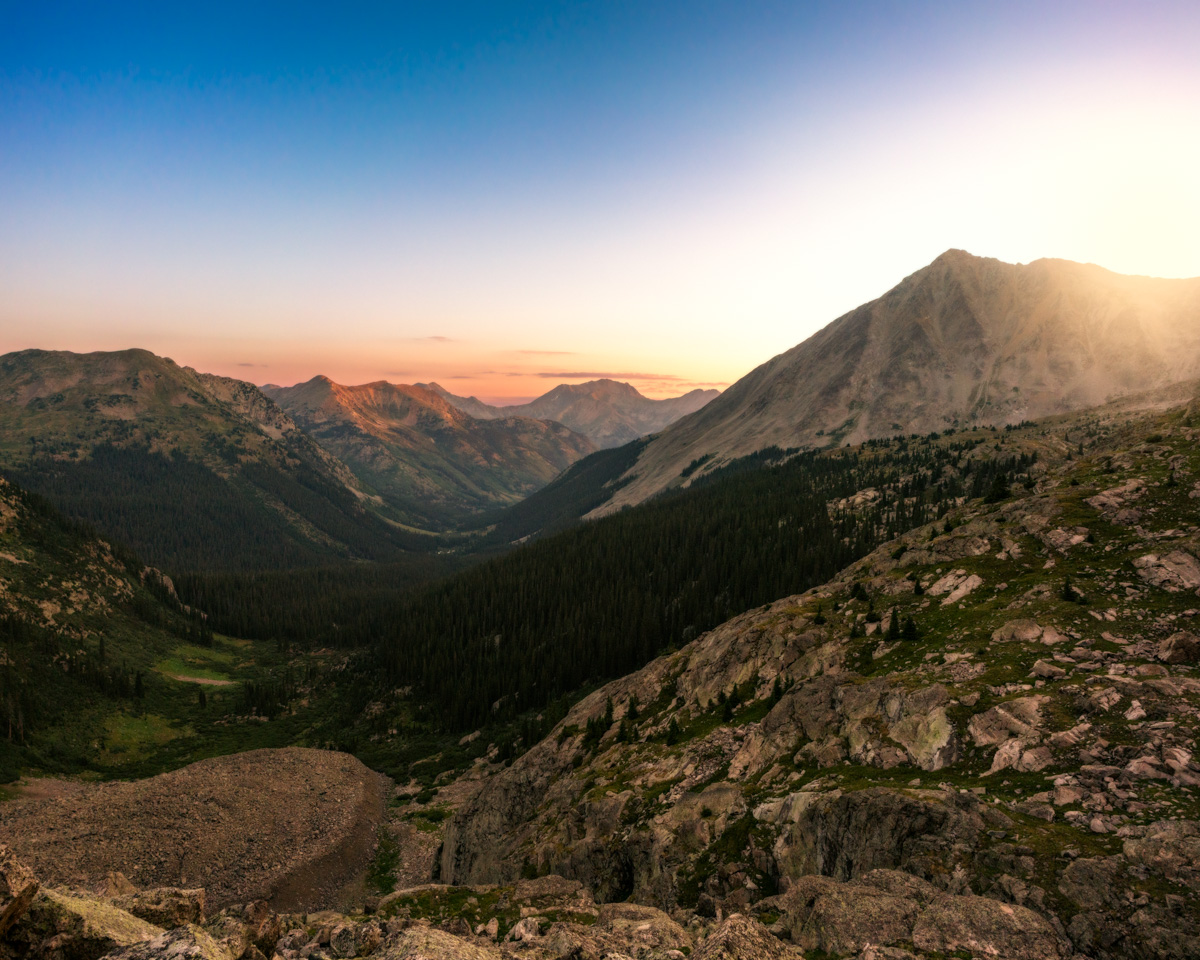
641, 929
164, 906
1176, 571
187, 942
740, 938
985, 927
78, 927
18, 886
1021, 631
852, 917
1181, 647
427, 943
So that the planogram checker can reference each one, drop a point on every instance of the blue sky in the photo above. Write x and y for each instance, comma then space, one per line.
681, 190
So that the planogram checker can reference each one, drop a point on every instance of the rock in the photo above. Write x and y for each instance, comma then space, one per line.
1135, 712
1178, 570
900, 884
851, 917
1047, 670
427, 943
1180, 647
524, 930
342, 942
187, 942
116, 884
164, 906
986, 928
850, 834
83, 928
1021, 631
1013, 718
955, 585
740, 938
641, 929
18, 886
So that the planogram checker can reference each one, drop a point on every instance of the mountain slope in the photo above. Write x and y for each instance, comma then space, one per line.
431, 462
609, 412
191, 470
963, 341
982, 737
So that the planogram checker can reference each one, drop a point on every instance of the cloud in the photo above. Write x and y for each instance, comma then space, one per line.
243, 364
594, 375
434, 339
546, 353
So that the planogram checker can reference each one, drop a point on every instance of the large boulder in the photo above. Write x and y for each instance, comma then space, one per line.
77, 927
844, 836
740, 938
18, 886
164, 906
852, 917
187, 942
985, 927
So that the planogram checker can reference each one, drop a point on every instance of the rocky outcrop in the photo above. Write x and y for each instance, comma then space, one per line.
17, 889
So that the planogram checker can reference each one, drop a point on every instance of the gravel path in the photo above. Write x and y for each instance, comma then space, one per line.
291, 826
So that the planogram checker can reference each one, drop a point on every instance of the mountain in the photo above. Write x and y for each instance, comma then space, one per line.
191, 470
608, 412
980, 738
964, 341
430, 461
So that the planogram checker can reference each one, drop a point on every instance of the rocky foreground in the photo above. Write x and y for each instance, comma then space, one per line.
978, 742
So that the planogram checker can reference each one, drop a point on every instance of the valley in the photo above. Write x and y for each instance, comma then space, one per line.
893, 693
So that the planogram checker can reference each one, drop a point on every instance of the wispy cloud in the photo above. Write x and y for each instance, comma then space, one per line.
595, 375
546, 353
244, 364
434, 339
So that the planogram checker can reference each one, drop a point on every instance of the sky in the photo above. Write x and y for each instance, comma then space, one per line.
504, 196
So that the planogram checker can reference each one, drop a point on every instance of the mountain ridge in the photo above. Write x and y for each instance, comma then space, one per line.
430, 460
609, 412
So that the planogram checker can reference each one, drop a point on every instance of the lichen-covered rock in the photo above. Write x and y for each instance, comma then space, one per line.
77, 927
1181, 647
986, 928
17, 889
187, 942
164, 906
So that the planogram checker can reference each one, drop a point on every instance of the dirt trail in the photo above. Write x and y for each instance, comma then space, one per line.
292, 826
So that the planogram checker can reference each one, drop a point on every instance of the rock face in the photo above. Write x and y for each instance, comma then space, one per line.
607, 412
285, 825
965, 340
426, 457
1001, 785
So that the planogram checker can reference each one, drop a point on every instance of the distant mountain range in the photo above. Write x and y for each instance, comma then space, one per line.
200, 472
427, 458
191, 470
964, 341
607, 412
